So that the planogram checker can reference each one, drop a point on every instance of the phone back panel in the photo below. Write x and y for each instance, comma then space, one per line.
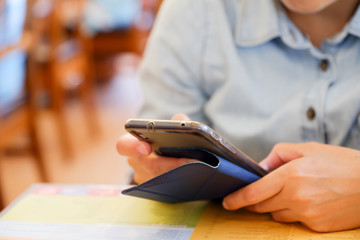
166, 134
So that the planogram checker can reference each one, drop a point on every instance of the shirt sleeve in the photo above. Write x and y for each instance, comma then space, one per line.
170, 73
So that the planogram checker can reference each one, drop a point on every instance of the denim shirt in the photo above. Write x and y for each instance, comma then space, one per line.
243, 67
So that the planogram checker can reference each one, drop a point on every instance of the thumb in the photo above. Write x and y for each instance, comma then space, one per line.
180, 116
281, 154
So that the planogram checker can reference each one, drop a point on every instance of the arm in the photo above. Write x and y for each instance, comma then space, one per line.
315, 184
170, 80
170, 72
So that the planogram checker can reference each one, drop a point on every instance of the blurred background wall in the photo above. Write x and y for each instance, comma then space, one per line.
68, 82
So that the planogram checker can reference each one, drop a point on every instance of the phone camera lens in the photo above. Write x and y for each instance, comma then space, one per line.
150, 126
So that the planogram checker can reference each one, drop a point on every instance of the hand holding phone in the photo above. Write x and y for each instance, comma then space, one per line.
173, 138
145, 163
221, 168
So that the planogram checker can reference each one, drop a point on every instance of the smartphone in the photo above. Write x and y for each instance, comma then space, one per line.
167, 135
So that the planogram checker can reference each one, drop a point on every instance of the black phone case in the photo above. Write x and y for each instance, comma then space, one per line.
212, 177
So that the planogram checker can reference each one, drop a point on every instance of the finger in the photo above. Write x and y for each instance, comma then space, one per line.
282, 153
138, 178
138, 174
256, 192
159, 164
284, 215
180, 116
153, 165
128, 145
275, 203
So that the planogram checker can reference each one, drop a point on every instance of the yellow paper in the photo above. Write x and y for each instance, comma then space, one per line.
103, 210
217, 223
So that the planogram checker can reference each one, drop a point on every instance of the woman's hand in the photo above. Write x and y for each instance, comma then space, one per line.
315, 184
145, 163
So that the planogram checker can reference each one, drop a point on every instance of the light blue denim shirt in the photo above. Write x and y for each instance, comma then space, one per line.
242, 67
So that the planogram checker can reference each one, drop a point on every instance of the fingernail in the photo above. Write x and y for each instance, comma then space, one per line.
142, 150
265, 167
225, 205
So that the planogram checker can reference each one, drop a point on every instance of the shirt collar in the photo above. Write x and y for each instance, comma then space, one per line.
354, 24
256, 22
252, 30
353, 28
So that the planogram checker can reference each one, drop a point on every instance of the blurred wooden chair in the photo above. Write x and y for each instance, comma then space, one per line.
71, 65
68, 66
19, 116
130, 39
14, 123
19, 119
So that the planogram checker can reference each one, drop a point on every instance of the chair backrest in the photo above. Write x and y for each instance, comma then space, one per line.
14, 50
17, 112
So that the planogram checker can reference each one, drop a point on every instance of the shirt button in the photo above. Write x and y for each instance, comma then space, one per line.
324, 65
310, 113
